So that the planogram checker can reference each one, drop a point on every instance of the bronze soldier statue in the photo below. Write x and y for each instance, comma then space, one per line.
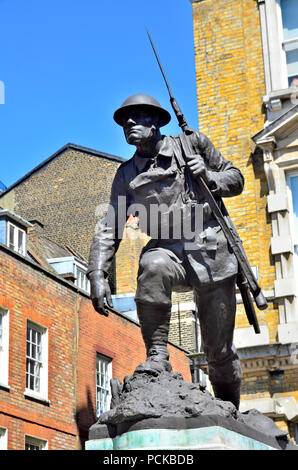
160, 175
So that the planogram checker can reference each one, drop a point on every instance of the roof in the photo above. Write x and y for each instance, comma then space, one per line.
41, 248
15, 217
66, 147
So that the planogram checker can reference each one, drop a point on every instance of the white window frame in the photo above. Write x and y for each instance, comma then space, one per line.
41, 391
283, 44
103, 386
275, 64
294, 236
70, 264
81, 280
13, 244
4, 346
3, 438
42, 444
280, 37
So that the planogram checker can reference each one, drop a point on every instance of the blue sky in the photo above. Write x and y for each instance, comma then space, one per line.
67, 65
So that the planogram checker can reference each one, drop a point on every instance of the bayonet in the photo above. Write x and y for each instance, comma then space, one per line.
181, 119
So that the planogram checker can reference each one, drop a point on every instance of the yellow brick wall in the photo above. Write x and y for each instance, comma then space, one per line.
230, 86
261, 384
127, 257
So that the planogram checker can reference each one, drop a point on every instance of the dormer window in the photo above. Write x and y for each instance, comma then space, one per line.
13, 231
16, 238
72, 267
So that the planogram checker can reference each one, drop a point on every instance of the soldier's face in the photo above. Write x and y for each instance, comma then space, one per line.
139, 127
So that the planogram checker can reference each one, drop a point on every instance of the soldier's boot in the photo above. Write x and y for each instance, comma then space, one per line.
155, 323
228, 392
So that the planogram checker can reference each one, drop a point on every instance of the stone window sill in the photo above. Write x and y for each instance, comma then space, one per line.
5, 386
33, 396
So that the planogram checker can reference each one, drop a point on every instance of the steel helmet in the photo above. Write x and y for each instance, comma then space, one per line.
144, 101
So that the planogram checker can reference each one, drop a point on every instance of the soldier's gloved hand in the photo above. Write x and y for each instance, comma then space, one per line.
100, 290
197, 168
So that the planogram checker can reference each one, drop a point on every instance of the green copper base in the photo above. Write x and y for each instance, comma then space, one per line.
207, 438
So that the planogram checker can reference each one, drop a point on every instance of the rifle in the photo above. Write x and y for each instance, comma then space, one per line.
246, 280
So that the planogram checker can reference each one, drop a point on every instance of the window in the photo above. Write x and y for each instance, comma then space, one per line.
279, 27
292, 182
103, 390
36, 360
3, 439
33, 443
289, 12
81, 279
16, 238
4, 346
75, 266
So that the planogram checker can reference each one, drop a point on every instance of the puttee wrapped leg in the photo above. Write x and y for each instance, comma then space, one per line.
216, 309
159, 271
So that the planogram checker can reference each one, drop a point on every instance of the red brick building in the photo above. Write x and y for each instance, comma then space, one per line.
56, 352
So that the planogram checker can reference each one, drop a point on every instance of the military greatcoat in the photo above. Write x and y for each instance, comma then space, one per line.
164, 182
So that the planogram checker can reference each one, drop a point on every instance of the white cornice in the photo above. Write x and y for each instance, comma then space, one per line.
270, 357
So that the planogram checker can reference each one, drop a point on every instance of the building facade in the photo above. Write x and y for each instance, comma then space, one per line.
38, 356
57, 355
65, 193
246, 55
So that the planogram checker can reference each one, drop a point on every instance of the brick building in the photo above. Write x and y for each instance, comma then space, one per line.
246, 68
63, 194
56, 353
